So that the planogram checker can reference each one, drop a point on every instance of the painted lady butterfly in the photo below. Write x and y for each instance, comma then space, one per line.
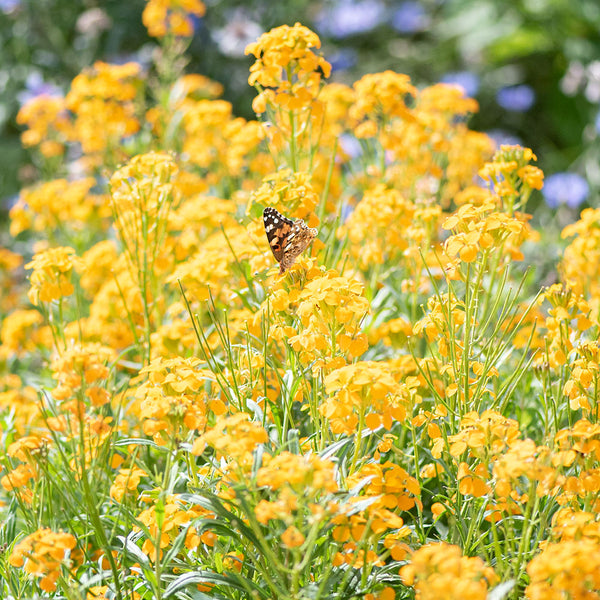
287, 238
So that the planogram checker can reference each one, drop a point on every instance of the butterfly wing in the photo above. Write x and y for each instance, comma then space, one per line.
287, 239
277, 228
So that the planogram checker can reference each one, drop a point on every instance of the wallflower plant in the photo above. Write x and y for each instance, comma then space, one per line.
402, 413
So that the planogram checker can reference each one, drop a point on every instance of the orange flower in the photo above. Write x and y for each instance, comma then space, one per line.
164, 17
43, 554
51, 277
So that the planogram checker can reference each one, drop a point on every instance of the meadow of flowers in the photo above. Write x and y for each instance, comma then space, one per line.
404, 413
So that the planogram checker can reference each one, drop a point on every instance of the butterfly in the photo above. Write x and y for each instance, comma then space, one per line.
287, 238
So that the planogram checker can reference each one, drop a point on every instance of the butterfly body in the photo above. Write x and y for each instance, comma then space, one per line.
287, 239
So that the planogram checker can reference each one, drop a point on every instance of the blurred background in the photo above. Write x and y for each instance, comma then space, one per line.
533, 65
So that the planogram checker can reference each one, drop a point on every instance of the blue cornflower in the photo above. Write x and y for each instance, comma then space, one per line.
410, 17
343, 59
36, 86
467, 80
348, 17
7, 6
565, 188
504, 138
517, 98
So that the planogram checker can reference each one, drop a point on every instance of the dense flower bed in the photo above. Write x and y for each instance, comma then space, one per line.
402, 412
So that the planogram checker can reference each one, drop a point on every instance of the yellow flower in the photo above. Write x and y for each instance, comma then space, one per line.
47, 122
51, 276
23, 331
164, 524
172, 402
102, 100
379, 98
142, 193
290, 193
569, 569
580, 263
377, 228
20, 400
289, 77
306, 475
439, 571
525, 460
388, 485
116, 313
43, 554
81, 372
218, 143
285, 53
369, 391
511, 175
292, 537
329, 309
98, 265
126, 481
171, 17
234, 437
60, 204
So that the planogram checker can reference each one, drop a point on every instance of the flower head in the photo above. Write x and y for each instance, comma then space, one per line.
565, 188
43, 554
51, 276
175, 17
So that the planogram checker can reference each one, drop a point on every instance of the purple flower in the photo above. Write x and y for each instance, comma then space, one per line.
565, 188
343, 59
350, 145
597, 122
467, 80
410, 17
8, 6
517, 98
36, 86
349, 17
504, 138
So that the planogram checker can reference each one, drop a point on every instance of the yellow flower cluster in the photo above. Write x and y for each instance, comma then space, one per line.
172, 402
367, 394
57, 204
51, 274
48, 124
163, 524
102, 101
44, 554
398, 409
285, 61
233, 437
579, 265
171, 17
440, 572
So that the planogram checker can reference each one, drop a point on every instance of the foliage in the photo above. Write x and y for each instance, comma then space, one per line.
404, 412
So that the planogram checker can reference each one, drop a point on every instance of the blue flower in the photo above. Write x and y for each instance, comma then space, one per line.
518, 98
350, 145
597, 122
36, 86
467, 80
7, 6
343, 59
565, 188
504, 138
350, 17
410, 17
